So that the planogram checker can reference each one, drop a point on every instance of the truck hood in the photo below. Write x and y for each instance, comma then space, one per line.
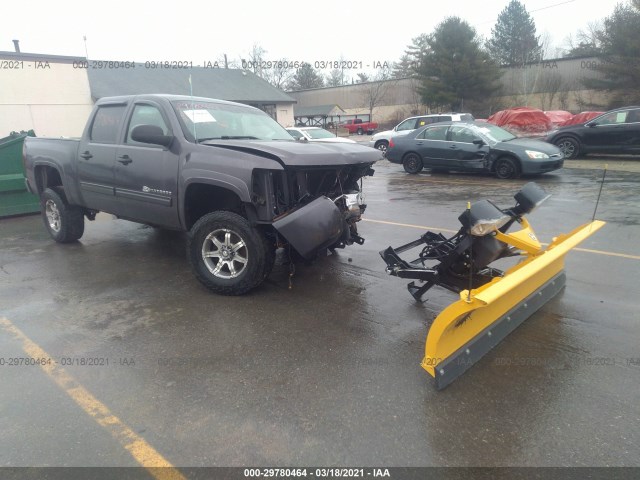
303, 154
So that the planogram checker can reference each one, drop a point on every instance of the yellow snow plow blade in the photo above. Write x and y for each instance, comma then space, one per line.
467, 329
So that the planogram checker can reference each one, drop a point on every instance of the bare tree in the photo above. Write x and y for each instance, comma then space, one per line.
362, 78
587, 41
376, 89
550, 83
415, 98
279, 74
255, 60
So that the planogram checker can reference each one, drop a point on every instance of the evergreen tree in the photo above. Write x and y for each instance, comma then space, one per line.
620, 46
305, 77
513, 39
454, 69
404, 67
335, 78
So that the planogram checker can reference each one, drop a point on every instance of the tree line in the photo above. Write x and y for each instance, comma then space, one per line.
458, 70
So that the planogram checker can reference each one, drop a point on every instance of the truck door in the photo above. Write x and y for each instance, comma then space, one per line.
96, 158
146, 175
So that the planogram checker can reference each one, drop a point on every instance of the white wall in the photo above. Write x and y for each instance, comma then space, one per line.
284, 114
54, 101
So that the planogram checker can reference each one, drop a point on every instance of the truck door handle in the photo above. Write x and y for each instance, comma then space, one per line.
125, 159
418, 143
86, 155
452, 146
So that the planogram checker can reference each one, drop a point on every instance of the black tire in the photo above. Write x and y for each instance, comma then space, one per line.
64, 222
382, 145
241, 257
412, 163
506, 168
570, 147
360, 131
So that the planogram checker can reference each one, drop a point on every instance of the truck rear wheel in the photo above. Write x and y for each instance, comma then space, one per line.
227, 254
64, 222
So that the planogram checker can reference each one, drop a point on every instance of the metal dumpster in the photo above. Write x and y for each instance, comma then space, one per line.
14, 197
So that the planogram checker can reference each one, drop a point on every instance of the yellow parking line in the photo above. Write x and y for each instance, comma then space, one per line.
421, 227
140, 450
611, 254
438, 229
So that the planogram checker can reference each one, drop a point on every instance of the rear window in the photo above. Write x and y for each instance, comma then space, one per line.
444, 118
106, 124
466, 117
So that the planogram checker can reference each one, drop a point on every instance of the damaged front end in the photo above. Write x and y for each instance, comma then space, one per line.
313, 208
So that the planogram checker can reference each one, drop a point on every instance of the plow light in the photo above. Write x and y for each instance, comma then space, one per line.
483, 218
529, 198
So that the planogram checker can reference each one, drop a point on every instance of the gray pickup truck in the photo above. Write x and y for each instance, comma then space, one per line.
224, 172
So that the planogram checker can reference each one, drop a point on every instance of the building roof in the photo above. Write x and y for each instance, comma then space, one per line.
318, 111
39, 57
225, 84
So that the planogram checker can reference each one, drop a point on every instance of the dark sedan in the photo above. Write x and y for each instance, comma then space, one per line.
473, 147
617, 131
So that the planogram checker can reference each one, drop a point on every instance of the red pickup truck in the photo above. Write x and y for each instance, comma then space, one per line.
356, 125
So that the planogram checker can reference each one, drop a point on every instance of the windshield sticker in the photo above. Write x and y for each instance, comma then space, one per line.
199, 116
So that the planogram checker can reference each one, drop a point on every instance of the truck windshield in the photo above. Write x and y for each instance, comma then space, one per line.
209, 120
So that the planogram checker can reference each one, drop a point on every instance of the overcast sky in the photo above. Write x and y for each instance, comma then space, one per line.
358, 30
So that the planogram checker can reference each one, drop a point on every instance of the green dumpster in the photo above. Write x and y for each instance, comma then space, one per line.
14, 197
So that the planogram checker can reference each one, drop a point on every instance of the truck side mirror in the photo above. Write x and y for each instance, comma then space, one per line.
151, 134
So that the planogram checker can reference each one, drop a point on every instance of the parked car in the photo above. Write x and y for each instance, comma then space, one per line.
473, 147
356, 125
226, 173
316, 134
581, 117
381, 139
523, 121
616, 131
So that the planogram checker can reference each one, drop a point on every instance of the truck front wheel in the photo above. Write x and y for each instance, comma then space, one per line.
227, 254
64, 222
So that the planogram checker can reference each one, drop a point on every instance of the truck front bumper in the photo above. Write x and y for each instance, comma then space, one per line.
312, 227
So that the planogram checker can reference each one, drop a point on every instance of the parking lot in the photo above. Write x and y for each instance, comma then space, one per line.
321, 368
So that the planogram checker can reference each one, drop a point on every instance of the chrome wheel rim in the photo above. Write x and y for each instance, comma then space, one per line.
225, 253
382, 147
568, 148
53, 215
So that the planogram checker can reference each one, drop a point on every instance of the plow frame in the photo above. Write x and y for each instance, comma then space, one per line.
484, 315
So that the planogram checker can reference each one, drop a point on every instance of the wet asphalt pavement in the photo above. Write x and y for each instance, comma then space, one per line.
326, 373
